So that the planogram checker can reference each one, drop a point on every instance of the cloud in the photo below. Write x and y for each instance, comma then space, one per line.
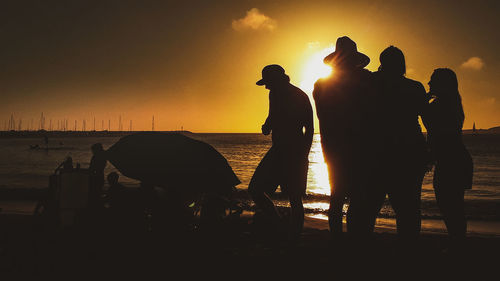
473, 63
313, 45
254, 20
490, 101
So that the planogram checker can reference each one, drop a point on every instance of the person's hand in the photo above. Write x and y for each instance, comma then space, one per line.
266, 130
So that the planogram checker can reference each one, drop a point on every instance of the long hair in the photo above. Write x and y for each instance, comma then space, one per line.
392, 60
448, 91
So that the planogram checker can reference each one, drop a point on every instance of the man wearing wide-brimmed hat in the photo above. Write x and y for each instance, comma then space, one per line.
342, 105
285, 164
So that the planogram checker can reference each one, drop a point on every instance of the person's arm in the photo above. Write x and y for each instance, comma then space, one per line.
267, 128
422, 101
60, 166
424, 110
309, 125
424, 107
316, 96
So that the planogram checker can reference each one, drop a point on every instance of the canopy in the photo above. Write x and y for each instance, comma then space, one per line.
171, 160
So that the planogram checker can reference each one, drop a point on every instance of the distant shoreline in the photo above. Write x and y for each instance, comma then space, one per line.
61, 134
490, 131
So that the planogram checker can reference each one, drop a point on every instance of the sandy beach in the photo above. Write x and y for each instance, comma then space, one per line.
233, 251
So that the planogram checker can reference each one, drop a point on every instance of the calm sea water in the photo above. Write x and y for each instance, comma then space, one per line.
21, 167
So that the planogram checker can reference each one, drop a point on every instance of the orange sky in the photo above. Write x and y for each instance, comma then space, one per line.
194, 64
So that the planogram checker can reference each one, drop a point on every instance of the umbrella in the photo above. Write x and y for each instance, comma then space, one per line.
172, 160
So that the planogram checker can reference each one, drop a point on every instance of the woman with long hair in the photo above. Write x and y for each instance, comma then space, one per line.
453, 164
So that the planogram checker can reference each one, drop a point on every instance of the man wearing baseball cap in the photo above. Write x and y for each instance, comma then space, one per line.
286, 162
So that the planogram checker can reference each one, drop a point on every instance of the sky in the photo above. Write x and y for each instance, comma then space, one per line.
194, 64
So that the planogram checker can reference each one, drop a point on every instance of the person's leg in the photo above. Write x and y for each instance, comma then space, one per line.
373, 202
337, 199
353, 180
335, 215
405, 200
295, 185
263, 180
450, 200
297, 215
354, 212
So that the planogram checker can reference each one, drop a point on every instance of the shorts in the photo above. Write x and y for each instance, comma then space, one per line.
281, 167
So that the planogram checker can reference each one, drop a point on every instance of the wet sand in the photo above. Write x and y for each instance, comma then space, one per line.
234, 251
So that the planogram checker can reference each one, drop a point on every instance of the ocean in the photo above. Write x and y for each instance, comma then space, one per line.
25, 168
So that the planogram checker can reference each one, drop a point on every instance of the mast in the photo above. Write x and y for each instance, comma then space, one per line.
42, 122
11, 122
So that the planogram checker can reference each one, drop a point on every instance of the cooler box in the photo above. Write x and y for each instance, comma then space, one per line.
73, 195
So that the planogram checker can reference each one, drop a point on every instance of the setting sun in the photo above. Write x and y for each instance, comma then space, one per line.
314, 69
209, 139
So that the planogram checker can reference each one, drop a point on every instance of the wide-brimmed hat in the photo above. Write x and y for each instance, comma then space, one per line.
272, 73
346, 49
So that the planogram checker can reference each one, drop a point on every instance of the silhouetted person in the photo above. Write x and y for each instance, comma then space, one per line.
453, 166
115, 194
342, 105
96, 169
286, 162
403, 152
66, 165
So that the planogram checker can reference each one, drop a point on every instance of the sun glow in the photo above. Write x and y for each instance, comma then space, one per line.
314, 69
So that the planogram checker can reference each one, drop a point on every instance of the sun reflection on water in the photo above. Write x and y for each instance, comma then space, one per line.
317, 180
